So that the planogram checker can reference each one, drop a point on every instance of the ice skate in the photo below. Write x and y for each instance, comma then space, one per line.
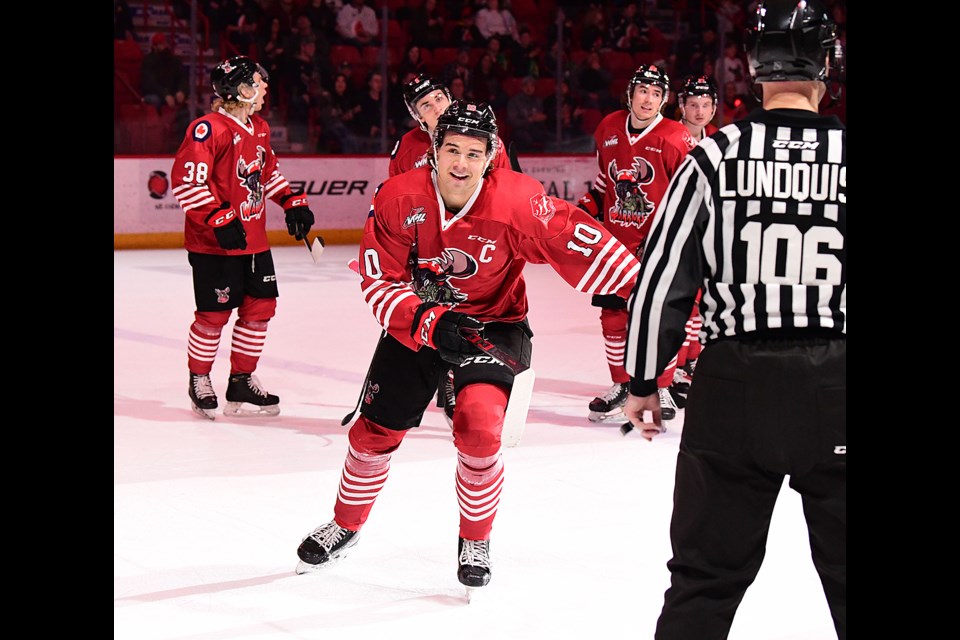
690, 367
668, 408
609, 406
474, 564
245, 397
681, 381
202, 397
326, 545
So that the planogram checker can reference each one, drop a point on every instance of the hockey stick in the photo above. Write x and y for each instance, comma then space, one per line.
512, 156
515, 417
354, 266
316, 249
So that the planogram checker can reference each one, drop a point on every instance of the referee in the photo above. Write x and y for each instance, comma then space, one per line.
757, 217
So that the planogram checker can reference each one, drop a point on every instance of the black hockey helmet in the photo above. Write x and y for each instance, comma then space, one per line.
419, 86
649, 74
475, 119
233, 72
791, 40
698, 86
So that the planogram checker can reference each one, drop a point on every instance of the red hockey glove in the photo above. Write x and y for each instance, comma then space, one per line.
590, 203
227, 227
440, 328
298, 215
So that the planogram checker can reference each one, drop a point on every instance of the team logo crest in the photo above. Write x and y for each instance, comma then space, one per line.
223, 295
157, 185
431, 281
632, 207
250, 173
543, 208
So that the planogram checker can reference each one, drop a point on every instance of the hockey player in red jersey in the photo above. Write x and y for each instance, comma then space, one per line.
223, 174
442, 255
426, 98
638, 151
697, 99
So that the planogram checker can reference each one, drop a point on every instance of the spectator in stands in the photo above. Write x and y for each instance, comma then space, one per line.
426, 25
367, 123
357, 24
323, 20
163, 78
629, 31
412, 62
593, 37
734, 105
123, 21
272, 52
337, 113
488, 82
526, 117
732, 68
491, 20
500, 60
458, 90
460, 66
305, 86
527, 56
241, 28
573, 138
592, 82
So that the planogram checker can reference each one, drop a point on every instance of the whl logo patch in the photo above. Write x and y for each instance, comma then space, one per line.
416, 216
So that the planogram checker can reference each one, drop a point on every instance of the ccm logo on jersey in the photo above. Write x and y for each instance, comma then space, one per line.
416, 216
795, 144
202, 131
543, 208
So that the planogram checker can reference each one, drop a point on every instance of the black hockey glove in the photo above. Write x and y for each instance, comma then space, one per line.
298, 215
227, 227
440, 328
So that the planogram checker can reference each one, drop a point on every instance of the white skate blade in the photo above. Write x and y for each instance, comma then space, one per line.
246, 410
206, 413
306, 567
601, 418
471, 592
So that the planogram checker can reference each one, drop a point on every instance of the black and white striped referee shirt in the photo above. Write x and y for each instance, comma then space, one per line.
756, 216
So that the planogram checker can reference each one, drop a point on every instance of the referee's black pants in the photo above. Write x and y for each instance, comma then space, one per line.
757, 411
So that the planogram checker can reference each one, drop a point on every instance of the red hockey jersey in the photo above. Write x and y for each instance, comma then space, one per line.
411, 252
223, 160
635, 171
413, 149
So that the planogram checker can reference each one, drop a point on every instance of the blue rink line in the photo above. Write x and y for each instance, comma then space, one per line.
278, 363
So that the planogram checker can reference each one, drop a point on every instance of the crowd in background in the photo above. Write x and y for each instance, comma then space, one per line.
326, 76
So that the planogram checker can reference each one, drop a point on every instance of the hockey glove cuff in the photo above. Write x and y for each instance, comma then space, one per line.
227, 227
440, 328
590, 205
298, 215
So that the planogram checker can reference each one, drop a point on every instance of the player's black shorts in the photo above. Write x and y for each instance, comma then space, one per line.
221, 282
402, 381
